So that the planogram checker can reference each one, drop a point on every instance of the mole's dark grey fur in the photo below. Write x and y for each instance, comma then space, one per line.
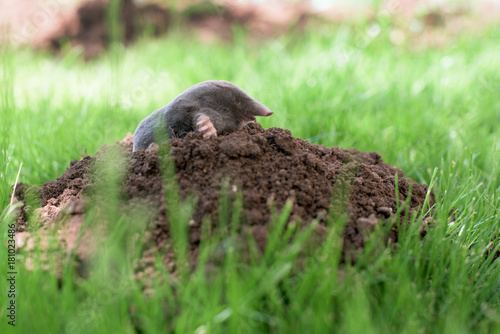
210, 107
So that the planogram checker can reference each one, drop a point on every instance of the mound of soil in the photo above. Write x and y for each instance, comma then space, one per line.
268, 167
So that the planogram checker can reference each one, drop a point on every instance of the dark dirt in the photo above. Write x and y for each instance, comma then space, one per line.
85, 25
269, 167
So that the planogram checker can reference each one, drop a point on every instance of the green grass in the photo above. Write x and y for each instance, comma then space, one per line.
436, 110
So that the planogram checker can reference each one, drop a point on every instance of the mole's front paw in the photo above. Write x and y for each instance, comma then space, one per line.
205, 126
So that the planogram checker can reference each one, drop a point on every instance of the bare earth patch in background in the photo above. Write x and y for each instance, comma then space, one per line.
52, 24
268, 167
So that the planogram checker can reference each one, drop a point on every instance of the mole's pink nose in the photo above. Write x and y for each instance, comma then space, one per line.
262, 110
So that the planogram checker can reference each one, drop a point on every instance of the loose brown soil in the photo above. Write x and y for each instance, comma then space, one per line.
268, 167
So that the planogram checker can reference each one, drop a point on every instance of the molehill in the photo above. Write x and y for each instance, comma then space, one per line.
268, 167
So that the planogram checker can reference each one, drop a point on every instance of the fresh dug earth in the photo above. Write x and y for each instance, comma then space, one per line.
268, 167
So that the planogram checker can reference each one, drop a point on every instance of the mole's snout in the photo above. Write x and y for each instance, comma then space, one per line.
263, 111
268, 113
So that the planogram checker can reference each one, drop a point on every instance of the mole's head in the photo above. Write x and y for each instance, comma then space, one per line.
233, 104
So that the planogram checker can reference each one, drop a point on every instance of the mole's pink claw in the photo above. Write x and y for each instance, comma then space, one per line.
205, 126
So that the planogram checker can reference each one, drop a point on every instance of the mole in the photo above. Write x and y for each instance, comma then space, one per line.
210, 107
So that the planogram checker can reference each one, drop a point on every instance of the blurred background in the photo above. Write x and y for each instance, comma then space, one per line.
92, 25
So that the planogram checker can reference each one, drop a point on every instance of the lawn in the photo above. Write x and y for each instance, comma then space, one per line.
433, 112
